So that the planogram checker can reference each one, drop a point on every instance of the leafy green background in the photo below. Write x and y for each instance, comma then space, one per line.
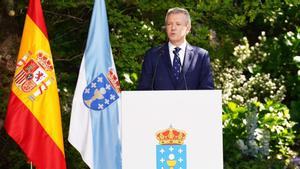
253, 47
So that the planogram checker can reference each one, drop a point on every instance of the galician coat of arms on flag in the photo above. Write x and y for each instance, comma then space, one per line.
171, 152
94, 124
102, 91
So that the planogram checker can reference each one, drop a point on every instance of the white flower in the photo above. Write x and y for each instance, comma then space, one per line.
65, 90
297, 59
290, 33
263, 33
299, 73
280, 114
241, 145
289, 43
258, 133
145, 26
127, 78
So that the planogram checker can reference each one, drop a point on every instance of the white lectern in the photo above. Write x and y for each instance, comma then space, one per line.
171, 129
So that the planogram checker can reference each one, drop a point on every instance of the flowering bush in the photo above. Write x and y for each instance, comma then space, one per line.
262, 132
251, 55
244, 82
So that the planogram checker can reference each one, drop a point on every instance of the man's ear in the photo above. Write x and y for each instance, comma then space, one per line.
189, 27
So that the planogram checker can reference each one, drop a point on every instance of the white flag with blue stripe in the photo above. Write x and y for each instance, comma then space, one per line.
94, 125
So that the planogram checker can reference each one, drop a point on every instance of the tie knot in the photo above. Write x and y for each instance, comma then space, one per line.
177, 49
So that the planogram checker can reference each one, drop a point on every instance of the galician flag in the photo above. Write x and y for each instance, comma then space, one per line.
33, 116
94, 125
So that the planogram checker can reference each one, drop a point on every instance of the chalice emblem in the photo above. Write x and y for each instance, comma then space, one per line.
171, 162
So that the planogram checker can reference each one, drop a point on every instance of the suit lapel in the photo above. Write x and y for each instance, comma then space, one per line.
166, 57
187, 58
167, 61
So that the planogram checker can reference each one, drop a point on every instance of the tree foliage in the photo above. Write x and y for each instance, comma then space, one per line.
253, 47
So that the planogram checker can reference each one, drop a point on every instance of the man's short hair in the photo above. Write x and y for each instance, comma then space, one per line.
177, 10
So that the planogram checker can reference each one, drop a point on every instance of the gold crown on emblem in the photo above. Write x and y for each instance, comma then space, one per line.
44, 61
171, 136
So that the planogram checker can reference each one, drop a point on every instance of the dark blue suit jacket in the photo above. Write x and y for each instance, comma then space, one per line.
157, 70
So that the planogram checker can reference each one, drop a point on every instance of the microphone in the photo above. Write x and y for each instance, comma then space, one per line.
183, 74
185, 84
155, 69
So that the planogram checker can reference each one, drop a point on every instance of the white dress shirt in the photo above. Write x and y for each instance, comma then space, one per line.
181, 52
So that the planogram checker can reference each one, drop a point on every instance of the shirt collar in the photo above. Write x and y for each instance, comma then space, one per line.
182, 46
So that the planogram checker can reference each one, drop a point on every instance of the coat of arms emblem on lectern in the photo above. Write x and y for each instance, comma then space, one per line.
171, 150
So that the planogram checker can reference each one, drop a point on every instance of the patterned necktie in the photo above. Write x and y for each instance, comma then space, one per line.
176, 63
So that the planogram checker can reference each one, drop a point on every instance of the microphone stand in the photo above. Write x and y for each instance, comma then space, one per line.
155, 69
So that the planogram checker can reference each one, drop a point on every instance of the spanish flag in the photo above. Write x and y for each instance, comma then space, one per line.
33, 113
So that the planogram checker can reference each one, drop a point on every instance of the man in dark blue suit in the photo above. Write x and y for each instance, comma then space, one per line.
176, 65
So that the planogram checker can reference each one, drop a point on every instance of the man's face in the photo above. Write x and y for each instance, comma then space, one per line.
177, 28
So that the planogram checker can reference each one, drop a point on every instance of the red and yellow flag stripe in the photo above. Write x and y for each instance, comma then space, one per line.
33, 117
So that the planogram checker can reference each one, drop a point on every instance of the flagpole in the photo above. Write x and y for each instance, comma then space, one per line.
30, 164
